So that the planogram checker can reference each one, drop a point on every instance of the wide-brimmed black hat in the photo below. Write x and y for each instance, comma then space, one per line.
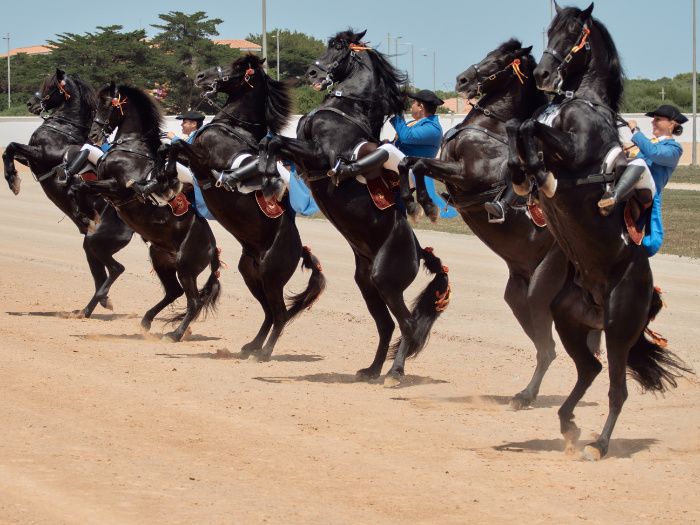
668, 111
191, 115
427, 96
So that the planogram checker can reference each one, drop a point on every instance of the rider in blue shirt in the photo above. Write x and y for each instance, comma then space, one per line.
660, 156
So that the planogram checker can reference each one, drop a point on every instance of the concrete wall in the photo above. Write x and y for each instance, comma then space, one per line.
19, 129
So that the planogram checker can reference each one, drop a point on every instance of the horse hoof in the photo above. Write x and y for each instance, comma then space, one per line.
145, 326
591, 452
519, 402
77, 314
549, 187
367, 374
171, 337
522, 189
261, 357
249, 349
107, 303
433, 213
391, 381
15, 184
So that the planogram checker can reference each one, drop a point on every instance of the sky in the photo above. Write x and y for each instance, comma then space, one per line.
654, 39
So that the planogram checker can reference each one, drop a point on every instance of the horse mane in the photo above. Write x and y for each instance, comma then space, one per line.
86, 92
146, 107
614, 87
390, 81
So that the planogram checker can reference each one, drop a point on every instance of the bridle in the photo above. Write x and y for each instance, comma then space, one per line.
214, 89
582, 43
332, 68
59, 87
117, 102
513, 66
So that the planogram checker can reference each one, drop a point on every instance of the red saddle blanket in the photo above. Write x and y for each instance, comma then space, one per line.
179, 204
270, 207
381, 190
537, 215
88, 176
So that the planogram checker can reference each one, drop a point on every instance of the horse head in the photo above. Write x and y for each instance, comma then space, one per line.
335, 63
568, 48
56, 91
128, 108
235, 79
508, 63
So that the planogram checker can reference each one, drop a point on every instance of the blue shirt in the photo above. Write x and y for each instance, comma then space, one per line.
662, 158
421, 139
200, 207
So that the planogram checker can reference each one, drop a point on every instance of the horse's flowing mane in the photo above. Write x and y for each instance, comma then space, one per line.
389, 80
145, 106
278, 101
614, 87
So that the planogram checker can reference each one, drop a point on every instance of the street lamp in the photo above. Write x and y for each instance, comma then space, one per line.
412, 80
396, 50
434, 62
264, 32
9, 94
277, 39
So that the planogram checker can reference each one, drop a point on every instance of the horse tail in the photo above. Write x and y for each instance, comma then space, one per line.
211, 291
651, 364
317, 283
429, 304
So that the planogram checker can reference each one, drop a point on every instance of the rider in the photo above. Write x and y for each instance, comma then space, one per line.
658, 157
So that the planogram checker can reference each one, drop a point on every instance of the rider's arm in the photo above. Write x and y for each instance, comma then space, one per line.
427, 134
665, 153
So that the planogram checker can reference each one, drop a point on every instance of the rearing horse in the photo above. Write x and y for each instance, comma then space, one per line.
271, 244
576, 134
472, 163
72, 105
366, 90
181, 247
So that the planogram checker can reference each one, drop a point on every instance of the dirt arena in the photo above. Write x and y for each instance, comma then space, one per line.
101, 424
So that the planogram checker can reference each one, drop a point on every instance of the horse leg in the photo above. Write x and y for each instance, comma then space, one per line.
379, 312
249, 269
394, 268
573, 335
557, 143
405, 193
164, 265
196, 252
516, 170
437, 169
626, 315
111, 236
8, 159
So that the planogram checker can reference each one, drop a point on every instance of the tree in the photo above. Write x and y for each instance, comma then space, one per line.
186, 48
297, 51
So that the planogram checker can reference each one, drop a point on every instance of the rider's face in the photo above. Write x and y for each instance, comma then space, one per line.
188, 126
417, 111
662, 127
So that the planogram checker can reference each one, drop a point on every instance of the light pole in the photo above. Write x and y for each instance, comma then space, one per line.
264, 32
695, 93
277, 39
434, 61
9, 90
396, 50
412, 80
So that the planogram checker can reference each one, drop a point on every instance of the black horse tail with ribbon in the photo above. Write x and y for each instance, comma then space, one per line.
317, 284
429, 304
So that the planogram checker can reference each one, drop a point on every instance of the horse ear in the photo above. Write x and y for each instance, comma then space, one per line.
357, 37
586, 13
556, 7
60, 74
112, 87
524, 51
263, 61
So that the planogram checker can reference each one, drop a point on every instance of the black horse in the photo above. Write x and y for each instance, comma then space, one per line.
72, 103
387, 254
575, 135
472, 164
181, 247
271, 245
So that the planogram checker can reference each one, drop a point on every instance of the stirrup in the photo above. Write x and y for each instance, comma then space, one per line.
607, 203
493, 215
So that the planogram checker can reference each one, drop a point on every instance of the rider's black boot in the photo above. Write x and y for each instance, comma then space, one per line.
361, 166
242, 174
76, 163
497, 209
623, 188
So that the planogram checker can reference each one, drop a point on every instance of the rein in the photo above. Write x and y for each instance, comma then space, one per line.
583, 43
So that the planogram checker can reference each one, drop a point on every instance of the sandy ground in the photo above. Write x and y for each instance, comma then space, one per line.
99, 424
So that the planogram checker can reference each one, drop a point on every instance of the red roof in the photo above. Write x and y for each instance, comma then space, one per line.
31, 50
243, 45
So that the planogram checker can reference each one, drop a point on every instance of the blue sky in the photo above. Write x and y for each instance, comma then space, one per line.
654, 38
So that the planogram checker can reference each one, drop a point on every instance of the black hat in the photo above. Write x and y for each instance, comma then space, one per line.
668, 111
427, 96
191, 115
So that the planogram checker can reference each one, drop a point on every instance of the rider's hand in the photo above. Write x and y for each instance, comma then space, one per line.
170, 135
632, 124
